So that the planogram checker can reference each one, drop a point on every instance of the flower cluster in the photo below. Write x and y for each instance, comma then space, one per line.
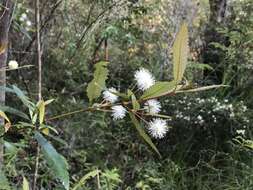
25, 20
157, 127
209, 113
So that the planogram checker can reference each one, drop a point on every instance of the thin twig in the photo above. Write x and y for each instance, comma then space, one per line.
39, 62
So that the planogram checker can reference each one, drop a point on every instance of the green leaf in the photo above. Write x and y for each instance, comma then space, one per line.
10, 148
142, 133
201, 88
135, 103
14, 111
4, 181
180, 53
158, 89
49, 101
55, 161
122, 95
96, 86
160, 116
41, 107
30, 105
3, 115
200, 66
25, 184
83, 180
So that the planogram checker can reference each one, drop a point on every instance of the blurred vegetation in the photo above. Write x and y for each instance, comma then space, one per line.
206, 145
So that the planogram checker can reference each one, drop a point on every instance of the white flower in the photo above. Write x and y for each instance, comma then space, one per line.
28, 23
199, 117
144, 79
158, 128
23, 17
13, 64
109, 96
240, 132
118, 112
153, 106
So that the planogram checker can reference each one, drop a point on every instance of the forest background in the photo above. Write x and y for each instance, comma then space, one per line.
209, 144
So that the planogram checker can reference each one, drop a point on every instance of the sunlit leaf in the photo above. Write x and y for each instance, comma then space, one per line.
56, 162
45, 131
41, 107
96, 86
180, 53
25, 184
142, 133
158, 89
49, 101
3, 115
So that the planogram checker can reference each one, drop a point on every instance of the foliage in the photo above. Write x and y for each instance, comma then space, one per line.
209, 139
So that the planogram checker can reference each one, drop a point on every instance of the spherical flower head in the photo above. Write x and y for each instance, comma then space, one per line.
118, 112
13, 64
158, 128
28, 23
152, 106
144, 79
23, 17
109, 96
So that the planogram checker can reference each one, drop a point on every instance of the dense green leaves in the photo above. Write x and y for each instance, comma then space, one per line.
4, 184
13, 111
158, 89
96, 86
55, 161
142, 133
85, 178
180, 53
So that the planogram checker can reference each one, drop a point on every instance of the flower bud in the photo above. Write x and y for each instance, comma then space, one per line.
13, 64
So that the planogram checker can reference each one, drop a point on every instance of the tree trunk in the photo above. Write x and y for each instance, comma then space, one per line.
5, 19
211, 55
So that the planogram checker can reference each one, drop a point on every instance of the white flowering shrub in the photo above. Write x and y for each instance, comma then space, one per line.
209, 121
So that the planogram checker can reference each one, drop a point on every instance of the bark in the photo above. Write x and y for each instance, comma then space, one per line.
211, 55
39, 63
5, 19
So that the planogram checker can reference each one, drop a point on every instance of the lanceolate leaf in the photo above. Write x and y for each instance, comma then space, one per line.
41, 107
25, 184
96, 86
3, 115
158, 89
142, 133
201, 88
180, 53
13, 111
55, 161
23, 97
135, 103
